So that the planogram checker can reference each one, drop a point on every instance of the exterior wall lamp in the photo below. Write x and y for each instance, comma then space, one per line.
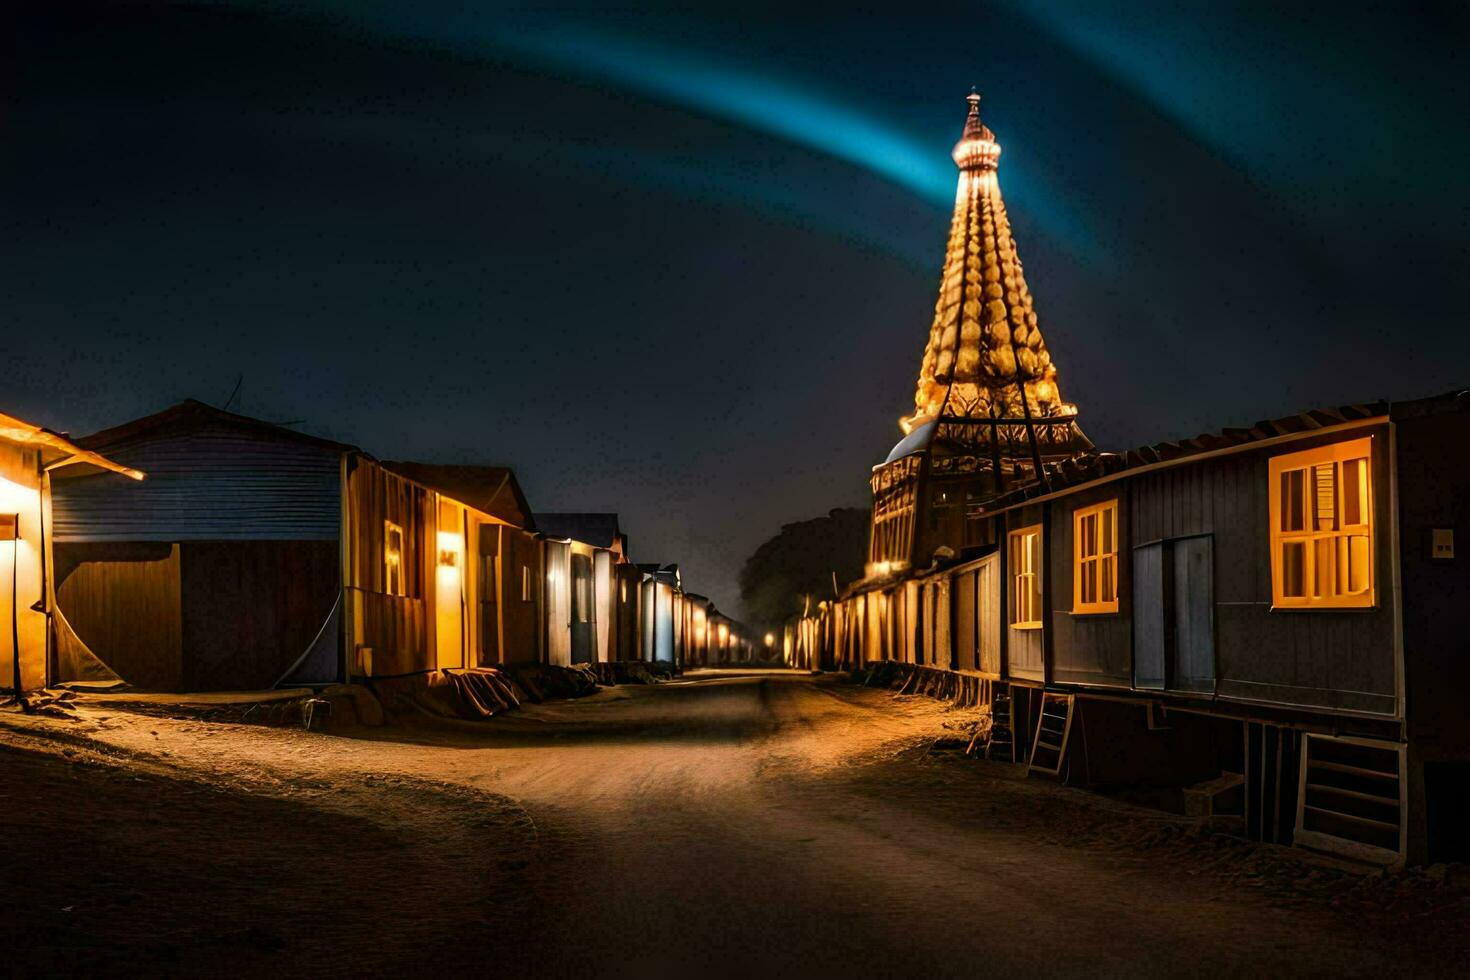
10, 531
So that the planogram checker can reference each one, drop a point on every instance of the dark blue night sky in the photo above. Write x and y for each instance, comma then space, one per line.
683, 266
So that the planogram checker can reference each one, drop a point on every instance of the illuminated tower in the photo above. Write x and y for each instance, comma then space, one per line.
988, 414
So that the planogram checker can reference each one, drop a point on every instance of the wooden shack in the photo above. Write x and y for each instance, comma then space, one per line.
595, 548
220, 571
454, 596
658, 594
697, 629
30, 458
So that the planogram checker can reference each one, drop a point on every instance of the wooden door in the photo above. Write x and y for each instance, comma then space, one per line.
449, 596
602, 599
1174, 615
987, 616
1194, 615
583, 623
558, 606
489, 589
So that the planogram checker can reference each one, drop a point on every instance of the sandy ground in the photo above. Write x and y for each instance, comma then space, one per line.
725, 825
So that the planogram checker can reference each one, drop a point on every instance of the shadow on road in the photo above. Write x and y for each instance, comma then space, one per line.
711, 708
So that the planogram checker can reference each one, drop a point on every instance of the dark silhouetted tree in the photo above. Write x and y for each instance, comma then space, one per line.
800, 561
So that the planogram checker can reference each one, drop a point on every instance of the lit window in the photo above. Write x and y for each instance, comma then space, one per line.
1025, 558
525, 583
393, 559
1095, 558
1322, 527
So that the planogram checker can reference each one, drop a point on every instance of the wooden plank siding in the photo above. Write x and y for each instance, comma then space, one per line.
1095, 648
122, 600
252, 608
488, 593
394, 628
1341, 659
1025, 648
1327, 658
1202, 529
626, 627
521, 565
976, 602
1436, 615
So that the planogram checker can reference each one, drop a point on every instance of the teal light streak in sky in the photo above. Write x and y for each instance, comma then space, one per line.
761, 103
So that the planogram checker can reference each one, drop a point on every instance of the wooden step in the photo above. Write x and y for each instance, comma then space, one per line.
1361, 821
1391, 777
1354, 794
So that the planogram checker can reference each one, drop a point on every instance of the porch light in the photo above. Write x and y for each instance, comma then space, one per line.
449, 548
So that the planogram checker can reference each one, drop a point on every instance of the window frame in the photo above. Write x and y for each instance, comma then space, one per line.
1017, 546
393, 560
1335, 454
1103, 511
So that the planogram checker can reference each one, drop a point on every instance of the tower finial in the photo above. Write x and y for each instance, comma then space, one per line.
977, 148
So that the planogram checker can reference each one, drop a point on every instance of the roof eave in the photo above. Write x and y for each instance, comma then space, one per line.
64, 451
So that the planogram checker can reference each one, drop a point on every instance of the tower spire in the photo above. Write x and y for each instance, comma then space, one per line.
987, 379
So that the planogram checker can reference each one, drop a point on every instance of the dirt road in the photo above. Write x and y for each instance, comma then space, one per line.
767, 825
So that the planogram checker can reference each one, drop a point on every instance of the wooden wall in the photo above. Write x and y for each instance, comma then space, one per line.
395, 628
123, 602
1324, 658
556, 584
520, 555
1205, 524
1434, 471
976, 602
1024, 648
604, 585
489, 589
250, 609
1095, 648
625, 602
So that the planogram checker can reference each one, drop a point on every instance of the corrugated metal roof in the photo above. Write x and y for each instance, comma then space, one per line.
189, 416
215, 484
1088, 467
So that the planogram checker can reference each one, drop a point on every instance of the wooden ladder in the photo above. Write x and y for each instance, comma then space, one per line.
1002, 728
1351, 798
1050, 746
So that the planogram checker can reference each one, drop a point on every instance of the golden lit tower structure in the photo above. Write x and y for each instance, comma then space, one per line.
988, 415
